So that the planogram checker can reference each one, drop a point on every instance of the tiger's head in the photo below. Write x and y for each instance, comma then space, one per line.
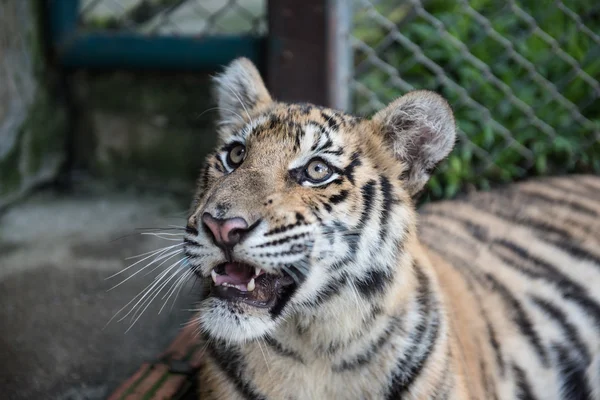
299, 202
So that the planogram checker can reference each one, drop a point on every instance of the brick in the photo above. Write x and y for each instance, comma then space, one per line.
158, 371
129, 382
169, 387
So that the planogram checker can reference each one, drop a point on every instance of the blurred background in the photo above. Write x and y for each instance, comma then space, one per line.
106, 115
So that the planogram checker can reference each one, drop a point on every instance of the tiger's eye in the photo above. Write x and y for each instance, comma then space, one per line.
317, 171
236, 155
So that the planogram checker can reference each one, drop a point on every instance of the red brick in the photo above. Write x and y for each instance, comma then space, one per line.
169, 387
179, 348
129, 382
158, 371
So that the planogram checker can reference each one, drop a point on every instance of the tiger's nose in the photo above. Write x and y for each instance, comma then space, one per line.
226, 233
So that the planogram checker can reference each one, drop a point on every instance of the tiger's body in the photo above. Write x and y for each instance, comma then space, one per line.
324, 286
519, 267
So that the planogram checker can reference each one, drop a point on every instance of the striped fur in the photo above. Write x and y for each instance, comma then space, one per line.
520, 268
496, 296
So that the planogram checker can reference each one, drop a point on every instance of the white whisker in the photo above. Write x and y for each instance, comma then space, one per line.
134, 298
148, 252
165, 249
156, 292
220, 108
162, 256
240, 100
177, 284
263, 354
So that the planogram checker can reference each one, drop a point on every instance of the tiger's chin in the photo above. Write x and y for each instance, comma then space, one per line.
244, 302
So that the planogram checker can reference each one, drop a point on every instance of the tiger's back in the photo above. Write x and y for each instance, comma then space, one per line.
520, 269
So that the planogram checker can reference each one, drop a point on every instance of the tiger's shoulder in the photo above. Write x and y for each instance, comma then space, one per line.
520, 269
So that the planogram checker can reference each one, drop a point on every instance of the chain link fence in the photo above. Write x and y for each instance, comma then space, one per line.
522, 77
175, 17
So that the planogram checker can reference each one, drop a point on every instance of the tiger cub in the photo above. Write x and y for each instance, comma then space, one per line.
320, 284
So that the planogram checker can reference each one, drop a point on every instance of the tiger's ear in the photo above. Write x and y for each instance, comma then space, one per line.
239, 90
420, 130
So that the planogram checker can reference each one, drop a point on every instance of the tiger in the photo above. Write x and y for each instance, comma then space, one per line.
321, 279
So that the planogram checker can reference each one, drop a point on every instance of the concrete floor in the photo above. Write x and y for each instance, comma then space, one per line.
56, 252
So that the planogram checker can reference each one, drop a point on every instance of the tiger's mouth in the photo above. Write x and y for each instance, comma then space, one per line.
239, 282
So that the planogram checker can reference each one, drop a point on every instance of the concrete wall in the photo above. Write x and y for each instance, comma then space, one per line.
32, 122
148, 130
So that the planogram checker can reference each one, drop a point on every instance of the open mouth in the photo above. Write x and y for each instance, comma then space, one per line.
242, 282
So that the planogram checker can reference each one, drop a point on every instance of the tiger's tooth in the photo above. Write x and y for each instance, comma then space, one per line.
214, 275
251, 285
257, 271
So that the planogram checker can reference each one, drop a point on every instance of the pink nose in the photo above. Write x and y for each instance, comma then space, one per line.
225, 232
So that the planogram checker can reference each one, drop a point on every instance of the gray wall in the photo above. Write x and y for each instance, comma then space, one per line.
32, 123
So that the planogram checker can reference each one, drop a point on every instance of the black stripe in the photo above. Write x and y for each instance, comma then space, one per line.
373, 282
563, 202
569, 289
570, 331
305, 108
575, 250
422, 337
570, 190
337, 152
274, 121
574, 384
520, 318
339, 197
567, 243
284, 228
280, 241
279, 349
544, 226
368, 194
325, 146
341, 263
331, 288
493, 340
218, 165
230, 361
331, 121
386, 189
192, 231
523, 390
369, 355
350, 168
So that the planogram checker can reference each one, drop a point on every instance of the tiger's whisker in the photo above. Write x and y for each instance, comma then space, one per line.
156, 254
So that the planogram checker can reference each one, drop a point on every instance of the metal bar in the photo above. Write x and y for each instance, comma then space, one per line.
126, 50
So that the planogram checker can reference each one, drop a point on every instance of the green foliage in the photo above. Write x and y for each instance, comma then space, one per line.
550, 112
